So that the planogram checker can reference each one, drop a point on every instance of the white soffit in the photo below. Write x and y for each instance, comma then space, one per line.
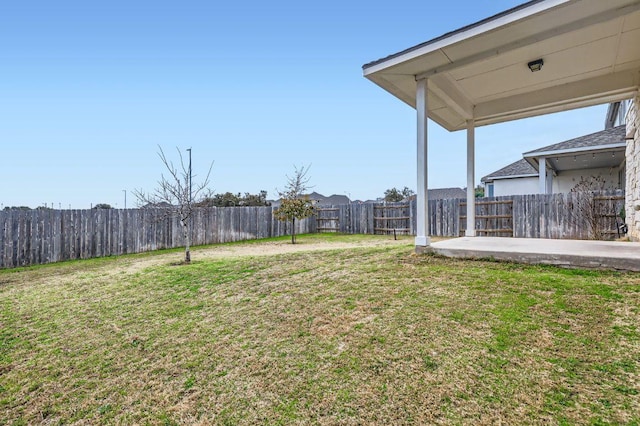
590, 48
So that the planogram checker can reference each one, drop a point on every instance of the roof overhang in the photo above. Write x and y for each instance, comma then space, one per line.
590, 50
594, 157
494, 178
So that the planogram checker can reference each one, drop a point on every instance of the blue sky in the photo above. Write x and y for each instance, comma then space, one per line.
88, 90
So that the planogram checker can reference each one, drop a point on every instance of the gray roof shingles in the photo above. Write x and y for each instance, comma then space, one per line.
446, 193
610, 136
519, 168
330, 200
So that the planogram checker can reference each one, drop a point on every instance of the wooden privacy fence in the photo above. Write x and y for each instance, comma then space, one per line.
493, 218
41, 236
392, 218
556, 216
327, 219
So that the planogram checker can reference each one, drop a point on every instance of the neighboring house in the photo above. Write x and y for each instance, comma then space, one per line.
515, 179
566, 163
332, 200
320, 200
442, 194
434, 194
336, 200
446, 193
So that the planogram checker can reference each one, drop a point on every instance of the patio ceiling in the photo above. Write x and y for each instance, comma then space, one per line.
590, 49
594, 159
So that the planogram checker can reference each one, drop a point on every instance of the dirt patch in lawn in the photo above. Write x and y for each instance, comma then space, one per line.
129, 264
268, 248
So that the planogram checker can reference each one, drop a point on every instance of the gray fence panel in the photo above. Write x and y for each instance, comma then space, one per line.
41, 236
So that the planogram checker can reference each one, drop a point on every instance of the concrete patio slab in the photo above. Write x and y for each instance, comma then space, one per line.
611, 255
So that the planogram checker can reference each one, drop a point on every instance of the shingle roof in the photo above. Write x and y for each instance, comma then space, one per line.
446, 193
611, 136
334, 199
320, 199
615, 135
519, 168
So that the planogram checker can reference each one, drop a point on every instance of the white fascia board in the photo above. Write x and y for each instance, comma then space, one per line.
513, 177
571, 151
474, 31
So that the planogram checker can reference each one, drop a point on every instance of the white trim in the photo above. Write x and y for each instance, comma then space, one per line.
422, 241
571, 151
471, 187
474, 31
536, 38
504, 32
422, 194
542, 175
510, 177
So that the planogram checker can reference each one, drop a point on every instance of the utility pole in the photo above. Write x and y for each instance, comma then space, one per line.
125, 198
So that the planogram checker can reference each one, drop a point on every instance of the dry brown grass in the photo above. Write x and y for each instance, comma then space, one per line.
338, 330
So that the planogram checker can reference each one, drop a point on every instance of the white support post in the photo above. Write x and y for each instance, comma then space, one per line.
422, 202
542, 175
471, 172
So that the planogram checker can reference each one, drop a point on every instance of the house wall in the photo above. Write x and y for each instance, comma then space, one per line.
632, 201
567, 180
563, 182
516, 186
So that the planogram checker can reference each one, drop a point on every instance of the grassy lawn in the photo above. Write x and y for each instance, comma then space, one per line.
369, 334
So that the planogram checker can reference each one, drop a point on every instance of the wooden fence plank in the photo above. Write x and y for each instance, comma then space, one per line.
43, 235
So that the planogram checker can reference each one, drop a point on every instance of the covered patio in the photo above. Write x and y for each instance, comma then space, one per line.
541, 57
610, 255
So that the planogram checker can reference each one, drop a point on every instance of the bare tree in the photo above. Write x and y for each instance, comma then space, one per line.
294, 204
176, 194
586, 210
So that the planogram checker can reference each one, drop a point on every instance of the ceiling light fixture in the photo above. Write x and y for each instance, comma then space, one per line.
536, 65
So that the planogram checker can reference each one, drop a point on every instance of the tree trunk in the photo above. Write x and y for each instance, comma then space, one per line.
187, 241
293, 230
